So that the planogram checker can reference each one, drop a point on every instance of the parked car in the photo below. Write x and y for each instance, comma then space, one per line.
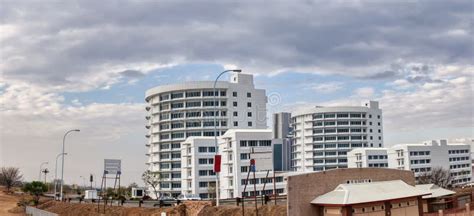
165, 200
184, 197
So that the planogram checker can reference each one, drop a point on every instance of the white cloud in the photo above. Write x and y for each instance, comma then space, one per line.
428, 104
328, 87
70, 48
401, 84
33, 121
364, 92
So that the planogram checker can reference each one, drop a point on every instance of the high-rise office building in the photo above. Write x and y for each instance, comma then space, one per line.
282, 133
281, 125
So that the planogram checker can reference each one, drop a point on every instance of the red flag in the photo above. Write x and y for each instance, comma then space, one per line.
217, 163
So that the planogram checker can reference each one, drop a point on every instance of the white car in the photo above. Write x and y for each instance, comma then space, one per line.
184, 197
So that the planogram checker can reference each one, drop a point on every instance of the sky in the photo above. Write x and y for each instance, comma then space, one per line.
87, 64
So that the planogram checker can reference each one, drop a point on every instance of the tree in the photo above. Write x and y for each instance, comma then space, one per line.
36, 189
437, 176
212, 190
152, 179
10, 177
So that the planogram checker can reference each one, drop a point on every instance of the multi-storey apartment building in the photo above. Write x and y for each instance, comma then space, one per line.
367, 157
322, 136
237, 147
197, 162
179, 111
420, 158
424, 157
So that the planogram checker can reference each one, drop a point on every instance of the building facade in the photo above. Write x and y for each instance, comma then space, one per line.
367, 157
420, 158
281, 125
197, 174
176, 112
392, 198
322, 136
237, 148
282, 133
303, 188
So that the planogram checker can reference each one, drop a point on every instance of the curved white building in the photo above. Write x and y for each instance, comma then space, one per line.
324, 135
178, 111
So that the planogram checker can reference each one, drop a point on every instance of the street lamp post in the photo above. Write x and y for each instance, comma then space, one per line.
215, 130
83, 182
62, 161
56, 174
41, 169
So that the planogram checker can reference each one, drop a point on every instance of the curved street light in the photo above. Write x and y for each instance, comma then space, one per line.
215, 129
62, 166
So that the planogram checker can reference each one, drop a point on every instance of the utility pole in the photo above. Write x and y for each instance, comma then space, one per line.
41, 170
45, 171
91, 179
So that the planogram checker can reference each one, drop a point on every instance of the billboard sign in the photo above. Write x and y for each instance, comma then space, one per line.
263, 160
112, 166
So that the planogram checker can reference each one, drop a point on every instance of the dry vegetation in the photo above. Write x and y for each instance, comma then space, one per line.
188, 208
9, 207
8, 203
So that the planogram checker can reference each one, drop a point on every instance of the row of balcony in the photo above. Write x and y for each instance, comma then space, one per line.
167, 110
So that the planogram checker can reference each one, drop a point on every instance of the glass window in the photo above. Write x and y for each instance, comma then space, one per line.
193, 94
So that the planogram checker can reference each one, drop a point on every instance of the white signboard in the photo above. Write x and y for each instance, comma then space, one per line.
263, 160
112, 166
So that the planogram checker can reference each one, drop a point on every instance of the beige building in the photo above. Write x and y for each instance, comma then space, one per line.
302, 189
394, 198
438, 199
